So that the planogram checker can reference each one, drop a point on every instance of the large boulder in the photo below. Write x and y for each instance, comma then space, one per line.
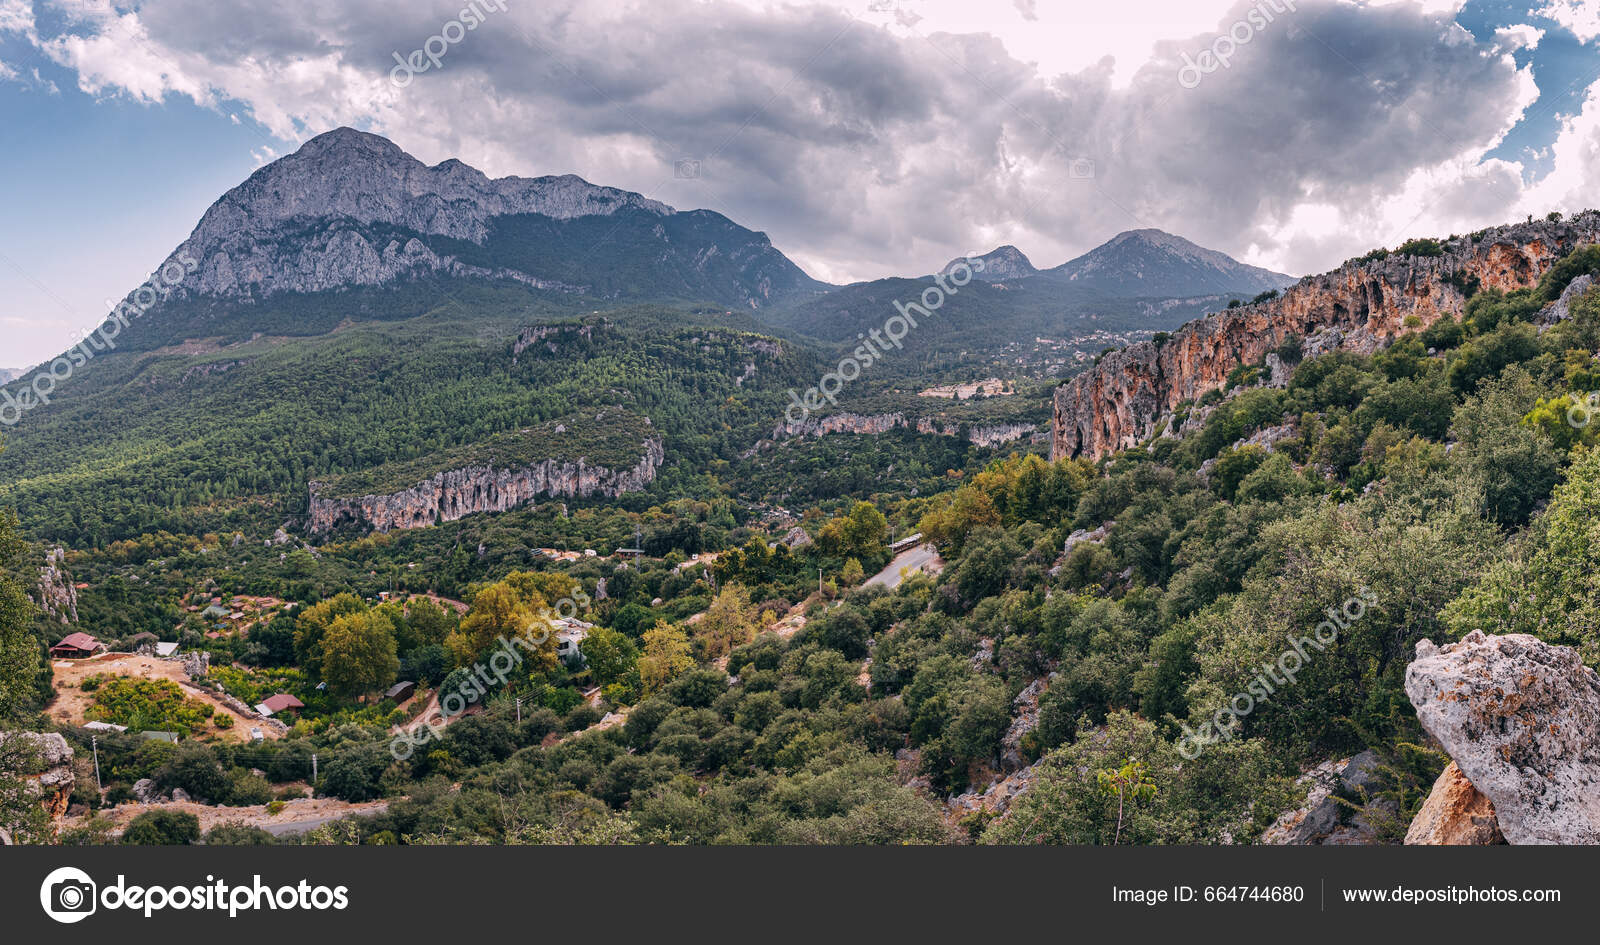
1521, 718
1456, 814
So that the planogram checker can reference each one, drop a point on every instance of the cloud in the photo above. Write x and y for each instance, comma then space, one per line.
887, 141
1582, 17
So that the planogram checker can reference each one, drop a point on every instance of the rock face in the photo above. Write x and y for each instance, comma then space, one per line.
459, 492
240, 243
1455, 815
1521, 718
1122, 400
880, 423
58, 598
54, 781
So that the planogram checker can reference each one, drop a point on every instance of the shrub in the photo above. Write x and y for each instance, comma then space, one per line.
1421, 247
162, 828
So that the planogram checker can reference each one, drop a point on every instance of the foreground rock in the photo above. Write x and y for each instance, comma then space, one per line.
49, 777
1456, 814
1521, 718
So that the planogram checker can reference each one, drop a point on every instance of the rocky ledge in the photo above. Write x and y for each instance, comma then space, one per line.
988, 435
459, 492
1521, 721
50, 777
1123, 399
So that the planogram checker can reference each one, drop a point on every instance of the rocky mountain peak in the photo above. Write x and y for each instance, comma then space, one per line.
1003, 263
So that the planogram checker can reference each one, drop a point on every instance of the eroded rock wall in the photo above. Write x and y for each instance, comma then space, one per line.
459, 492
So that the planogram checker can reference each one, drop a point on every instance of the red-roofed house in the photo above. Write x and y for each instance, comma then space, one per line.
278, 703
76, 646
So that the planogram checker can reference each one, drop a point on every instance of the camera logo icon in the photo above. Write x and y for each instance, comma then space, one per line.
1081, 169
68, 895
686, 170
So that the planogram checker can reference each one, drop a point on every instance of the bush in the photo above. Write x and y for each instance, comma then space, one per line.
249, 790
162, 828
1421, 247
580, 718
238, 835
222, 720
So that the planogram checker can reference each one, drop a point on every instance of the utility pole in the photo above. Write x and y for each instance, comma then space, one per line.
313, 774
519, 710
94, 744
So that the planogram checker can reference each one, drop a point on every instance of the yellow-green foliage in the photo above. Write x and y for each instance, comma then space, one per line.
143, 704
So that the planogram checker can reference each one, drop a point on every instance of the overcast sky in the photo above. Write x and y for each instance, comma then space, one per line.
866, 137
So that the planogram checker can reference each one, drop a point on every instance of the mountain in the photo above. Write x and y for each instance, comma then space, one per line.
1139, 281
351, 210
1004, 263
7, 375
1151, 263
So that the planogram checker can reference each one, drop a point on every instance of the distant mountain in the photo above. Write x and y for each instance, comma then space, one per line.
1151, 263
7, 375
352, 210
1004, 263
1141, 280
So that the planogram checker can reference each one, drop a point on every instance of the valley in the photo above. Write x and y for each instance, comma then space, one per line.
474, 511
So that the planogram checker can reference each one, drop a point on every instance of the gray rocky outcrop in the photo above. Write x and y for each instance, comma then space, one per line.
456, 493
58, 597
1521, 719
50, 776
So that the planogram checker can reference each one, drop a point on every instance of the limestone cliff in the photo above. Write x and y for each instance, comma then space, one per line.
986, 435
58, 597
1362, 305
459, 492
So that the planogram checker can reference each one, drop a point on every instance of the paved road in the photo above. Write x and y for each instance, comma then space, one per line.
921, 558
279, 828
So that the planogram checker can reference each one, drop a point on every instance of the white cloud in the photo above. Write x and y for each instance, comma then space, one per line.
1582, 17
16, 16
1521, 36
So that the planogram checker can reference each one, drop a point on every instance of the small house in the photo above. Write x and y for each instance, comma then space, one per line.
279, 703
401, 691
104, 727
76, 646
166, 649
153, 736
570, 633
